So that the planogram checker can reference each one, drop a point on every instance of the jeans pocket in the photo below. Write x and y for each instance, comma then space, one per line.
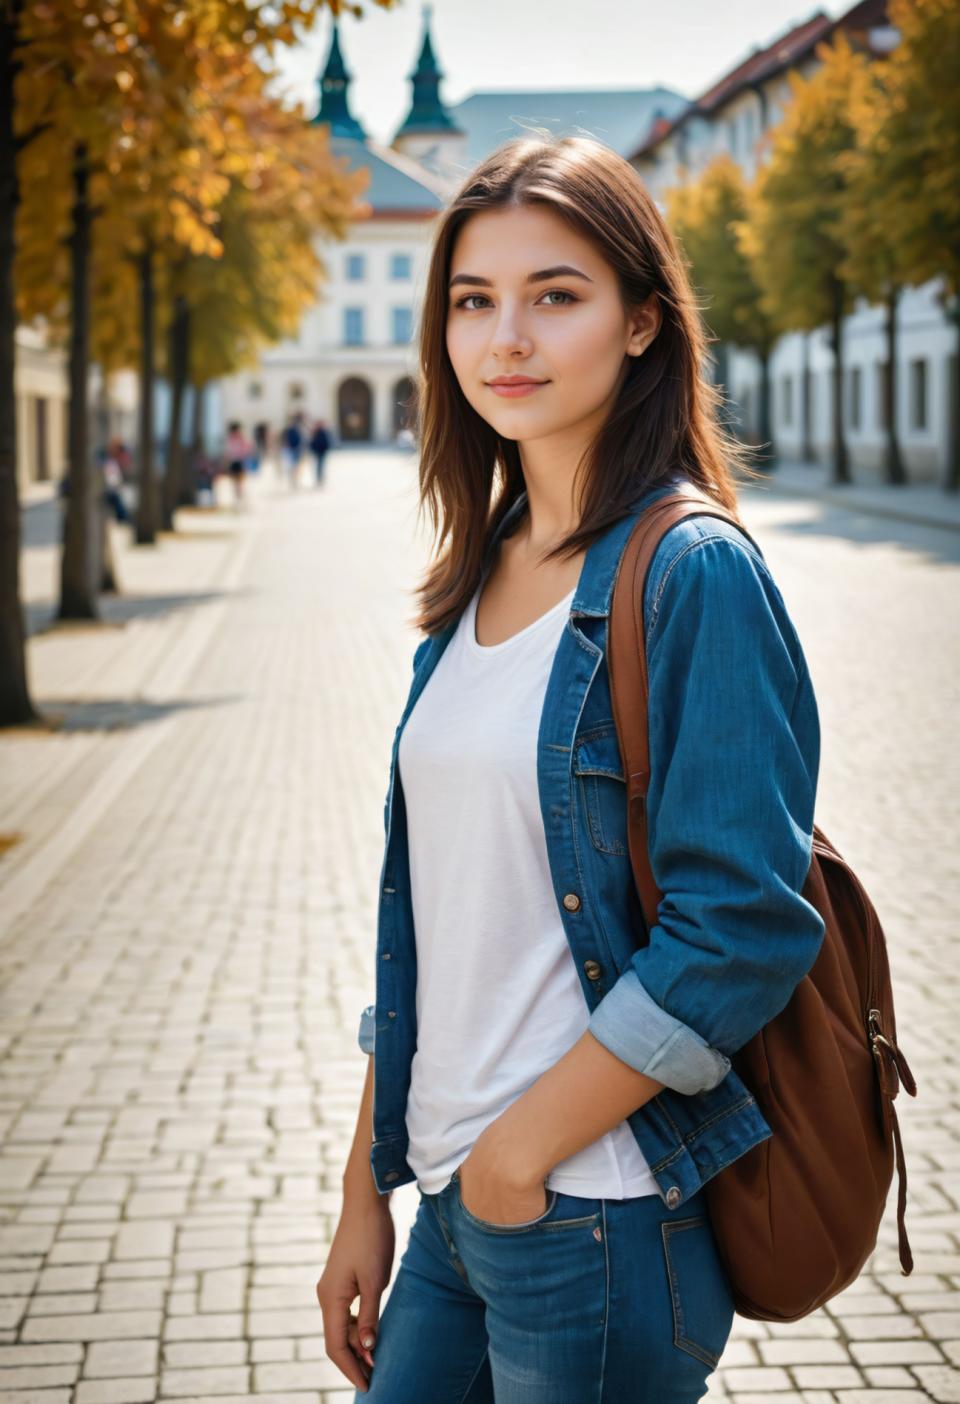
541, 1221
703, 1306
501, 1228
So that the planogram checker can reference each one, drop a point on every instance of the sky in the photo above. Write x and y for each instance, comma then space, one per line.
500, 44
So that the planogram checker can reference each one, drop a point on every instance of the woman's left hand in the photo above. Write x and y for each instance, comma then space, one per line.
493, 1190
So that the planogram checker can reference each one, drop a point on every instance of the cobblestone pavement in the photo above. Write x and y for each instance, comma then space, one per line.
189, 937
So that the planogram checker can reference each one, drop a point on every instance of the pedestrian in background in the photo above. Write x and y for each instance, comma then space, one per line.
292, 442
319, 446
113, 485
261, 442
237, 451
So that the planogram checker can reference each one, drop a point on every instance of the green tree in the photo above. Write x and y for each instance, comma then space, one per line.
706, 214
915, 153
122, 91
794, 234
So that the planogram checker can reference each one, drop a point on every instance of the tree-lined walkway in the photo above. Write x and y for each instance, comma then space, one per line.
188, 939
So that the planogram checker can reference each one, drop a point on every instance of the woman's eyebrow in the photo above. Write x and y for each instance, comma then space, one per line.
562, 270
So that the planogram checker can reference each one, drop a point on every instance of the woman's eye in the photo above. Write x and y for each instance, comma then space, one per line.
553, 292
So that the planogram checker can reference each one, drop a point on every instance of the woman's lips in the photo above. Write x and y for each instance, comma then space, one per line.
513, 392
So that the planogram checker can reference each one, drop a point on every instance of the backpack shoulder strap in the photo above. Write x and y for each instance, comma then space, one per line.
627, 667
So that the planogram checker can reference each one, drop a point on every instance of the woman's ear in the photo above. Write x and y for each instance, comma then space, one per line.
644, 324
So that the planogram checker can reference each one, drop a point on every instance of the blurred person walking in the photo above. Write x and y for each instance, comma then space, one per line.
319, 447
236, 452
292, 441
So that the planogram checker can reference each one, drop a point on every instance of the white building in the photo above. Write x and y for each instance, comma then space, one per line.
733, 117
353, 358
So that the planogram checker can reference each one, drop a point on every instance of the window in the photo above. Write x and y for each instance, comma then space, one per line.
254, 390
883, 408
356, 268
918, 394
402, 324
855, 396
786, 395
400, 265
353, 326
295, 391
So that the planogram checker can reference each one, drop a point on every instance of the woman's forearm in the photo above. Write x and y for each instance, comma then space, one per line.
586, 1093
358, 1181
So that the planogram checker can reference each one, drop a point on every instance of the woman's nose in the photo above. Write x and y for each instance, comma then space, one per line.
509, 335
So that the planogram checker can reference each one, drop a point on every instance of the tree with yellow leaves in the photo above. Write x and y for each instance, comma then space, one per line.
912, 131
705, 214
795, 233
119, 87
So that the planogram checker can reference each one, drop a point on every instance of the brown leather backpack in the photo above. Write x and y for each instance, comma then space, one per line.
796, 1216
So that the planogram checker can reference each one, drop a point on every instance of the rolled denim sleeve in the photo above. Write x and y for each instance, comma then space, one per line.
734, 756
366, 1032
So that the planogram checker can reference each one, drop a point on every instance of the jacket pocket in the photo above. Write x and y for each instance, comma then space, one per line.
602, 789
703, 1306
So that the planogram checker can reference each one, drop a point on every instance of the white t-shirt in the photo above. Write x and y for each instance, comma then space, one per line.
498, 997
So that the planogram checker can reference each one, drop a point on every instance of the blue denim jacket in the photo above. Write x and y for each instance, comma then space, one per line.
734, 752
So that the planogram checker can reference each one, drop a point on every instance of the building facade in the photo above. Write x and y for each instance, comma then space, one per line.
733, 117
353, 360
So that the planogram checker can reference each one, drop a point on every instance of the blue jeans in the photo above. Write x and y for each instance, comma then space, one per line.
597, 1301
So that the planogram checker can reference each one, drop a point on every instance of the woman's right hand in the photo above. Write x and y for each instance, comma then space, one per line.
359, 1264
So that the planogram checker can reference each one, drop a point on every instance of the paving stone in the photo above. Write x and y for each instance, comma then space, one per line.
38, 1376
894, 1352
106, 1359
98, 1326
68, 1279
140, 1389
312, 1374
189, 1355
211, 1327
14, 1356
63, 1303
35, 1396
220, 1379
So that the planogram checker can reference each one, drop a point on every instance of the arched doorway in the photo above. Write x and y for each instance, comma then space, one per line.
404, 408
354, 403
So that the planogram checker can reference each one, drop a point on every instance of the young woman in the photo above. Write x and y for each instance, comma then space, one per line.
556, 1079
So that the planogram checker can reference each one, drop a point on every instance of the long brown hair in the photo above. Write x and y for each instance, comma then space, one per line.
667, 415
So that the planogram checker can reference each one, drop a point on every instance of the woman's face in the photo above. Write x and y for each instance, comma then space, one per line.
529, 297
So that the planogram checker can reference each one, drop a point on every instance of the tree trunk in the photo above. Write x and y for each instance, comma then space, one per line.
179, 369
145, 525
806, 429
767, 456
893, 459
952, 482
83, 505
188, 475
841, 461
15, 704
197, 445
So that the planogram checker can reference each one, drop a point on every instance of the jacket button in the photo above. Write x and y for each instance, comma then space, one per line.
571, 901
593, 970
673, 1197
391, 1175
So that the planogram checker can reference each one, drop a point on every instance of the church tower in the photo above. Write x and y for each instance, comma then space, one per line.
334, 83
428, 133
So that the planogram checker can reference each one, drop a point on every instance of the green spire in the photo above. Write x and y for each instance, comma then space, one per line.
427, 112
334, 84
